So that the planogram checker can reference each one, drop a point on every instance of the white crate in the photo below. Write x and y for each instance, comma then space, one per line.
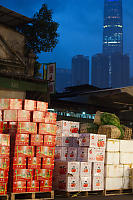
112, 158
113, 145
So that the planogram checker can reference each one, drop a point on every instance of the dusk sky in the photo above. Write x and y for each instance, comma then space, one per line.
80, 27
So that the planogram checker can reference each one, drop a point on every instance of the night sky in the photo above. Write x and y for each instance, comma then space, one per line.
80, 27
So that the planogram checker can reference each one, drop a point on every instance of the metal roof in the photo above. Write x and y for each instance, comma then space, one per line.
11, 18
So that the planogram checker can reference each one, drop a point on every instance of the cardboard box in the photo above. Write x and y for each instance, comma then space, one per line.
69, 184
4, 104
82, 154
74, 129
12, 127
27, 128
1, 115
23, 174
44, 151
41, 174
112, 158
19, 163
75, 141
16, 104
126, 146
3, 175
23, 116
22, 140
97, 183
3, 188
91, 155
10, 115
63, 128
85, 184
29, 105
127, 169
50, 118
49, 140
4, 152
72, 153
36, 140
113, 183
64, 141
98, 169
85, 169
19, 186
126, 158
4, 140
114, 171
126, 182
46, 185
113, 145
42, 106
33, 186
38, 116
47, 129
61, 153
48, 163
34, 163
24, 151
4, 128
4, 163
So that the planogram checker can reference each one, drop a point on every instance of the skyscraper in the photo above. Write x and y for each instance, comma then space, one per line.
113, 27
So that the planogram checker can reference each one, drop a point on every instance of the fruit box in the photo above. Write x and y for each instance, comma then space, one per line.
34, 163
42, 106
82, 154
16, 104
74, 129
3, 188
29, 105
23, 174
50, 118
32, 186
85, 184
22, 140
36, 140
75, 141
24, 151
69, 184
4, 152
4, 104
47, 129
4, 140
49, 140
46, 185
19, 186
72, 154
38, 116
44, 151
10, 115
96, 154
4, 163
64, 141
48, 163
27, 128
97, 183
19, 163
85, 169
12, 127
98, 169
61, 153
63, 128
91, 155
41, 174
4, 127
3, 175
23, 116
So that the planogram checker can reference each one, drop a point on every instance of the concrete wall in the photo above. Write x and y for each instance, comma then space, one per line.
12, 94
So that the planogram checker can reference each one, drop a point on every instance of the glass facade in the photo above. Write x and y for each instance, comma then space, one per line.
113, 27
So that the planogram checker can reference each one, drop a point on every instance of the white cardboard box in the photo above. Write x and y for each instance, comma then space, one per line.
97, 183
113, 145
64, 141
112, 158
126, 146
85, 169
126, 158
113, 183
63, 128
96, 154
74, 129
82, 154
127, 169
72, 154
98, 169
126, 182
114, 171
61, 153
85, 184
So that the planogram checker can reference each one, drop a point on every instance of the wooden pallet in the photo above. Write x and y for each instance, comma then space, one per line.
4, 197
117, 192
33, 196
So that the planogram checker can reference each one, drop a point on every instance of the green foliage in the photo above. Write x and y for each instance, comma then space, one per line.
37, 66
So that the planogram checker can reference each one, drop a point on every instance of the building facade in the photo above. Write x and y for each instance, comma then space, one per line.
80, 70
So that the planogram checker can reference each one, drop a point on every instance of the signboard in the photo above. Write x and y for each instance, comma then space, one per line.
51, 71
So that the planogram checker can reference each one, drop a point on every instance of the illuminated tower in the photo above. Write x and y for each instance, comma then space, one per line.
113, 27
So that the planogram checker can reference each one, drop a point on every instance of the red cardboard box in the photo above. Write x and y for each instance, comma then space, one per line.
19, 186
27, 127
48, 163
23, 174
47, 129
4, 128
41, 174
12, 127
19, 163
38, 116
15, 104
3, 188
49, 140
33, 186
46, 185
3, 175
42, 106
4, 152
29, 105
4, 104
4, 163
44, 151
10, 115
50, 118
34, 163
24, 151
23, 116
36, 140
22, 140
4, 140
